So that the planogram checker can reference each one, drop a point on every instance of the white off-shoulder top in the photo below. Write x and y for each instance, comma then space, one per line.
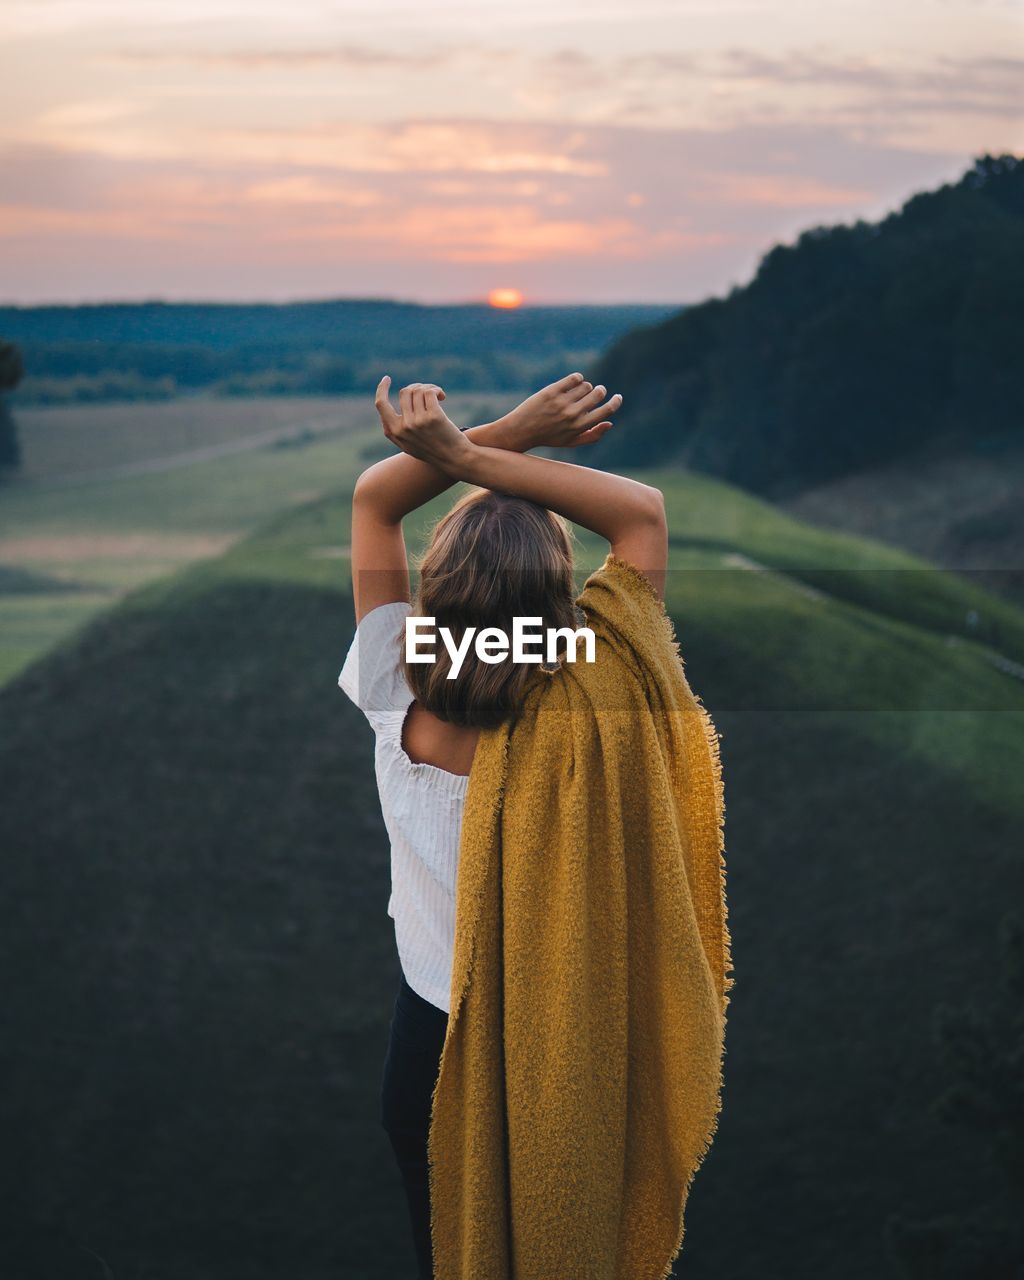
422, 807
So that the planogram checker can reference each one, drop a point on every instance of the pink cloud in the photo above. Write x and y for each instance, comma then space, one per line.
633, 213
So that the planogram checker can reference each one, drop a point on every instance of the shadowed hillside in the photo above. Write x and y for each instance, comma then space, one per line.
965, 512
195, 882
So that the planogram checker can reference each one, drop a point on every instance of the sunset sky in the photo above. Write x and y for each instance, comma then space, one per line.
597, 151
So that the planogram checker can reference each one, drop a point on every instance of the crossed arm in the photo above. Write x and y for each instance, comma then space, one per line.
435, 454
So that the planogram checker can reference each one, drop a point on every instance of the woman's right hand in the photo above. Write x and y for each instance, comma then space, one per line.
422, 430
562, 415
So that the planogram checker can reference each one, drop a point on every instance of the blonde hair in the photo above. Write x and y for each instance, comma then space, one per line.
491, 558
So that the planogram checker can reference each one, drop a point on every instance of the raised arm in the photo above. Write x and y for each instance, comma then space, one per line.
631, 515
564, 414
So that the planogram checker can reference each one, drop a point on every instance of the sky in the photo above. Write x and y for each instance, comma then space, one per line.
597, 151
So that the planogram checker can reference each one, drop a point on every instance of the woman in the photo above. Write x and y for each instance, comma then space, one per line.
502, 551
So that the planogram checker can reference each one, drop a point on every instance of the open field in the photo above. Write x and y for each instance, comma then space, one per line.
72, 441
113, 496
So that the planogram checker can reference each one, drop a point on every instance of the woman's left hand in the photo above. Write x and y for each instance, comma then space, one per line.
563, 415
422, 428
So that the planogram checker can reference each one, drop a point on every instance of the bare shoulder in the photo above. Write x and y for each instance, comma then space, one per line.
426, 739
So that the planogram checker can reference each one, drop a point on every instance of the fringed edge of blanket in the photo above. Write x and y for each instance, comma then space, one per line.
712, 738
641, 579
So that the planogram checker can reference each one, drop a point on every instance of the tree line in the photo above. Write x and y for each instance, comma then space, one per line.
856, 345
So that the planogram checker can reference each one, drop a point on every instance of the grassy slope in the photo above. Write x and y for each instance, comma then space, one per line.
194, 1050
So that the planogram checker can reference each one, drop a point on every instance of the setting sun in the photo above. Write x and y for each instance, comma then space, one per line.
506, 298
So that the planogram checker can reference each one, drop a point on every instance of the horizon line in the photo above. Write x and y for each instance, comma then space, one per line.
331, 300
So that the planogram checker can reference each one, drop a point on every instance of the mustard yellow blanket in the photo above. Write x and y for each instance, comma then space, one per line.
581, 1076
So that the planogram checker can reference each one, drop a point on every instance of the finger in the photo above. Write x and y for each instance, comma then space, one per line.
417, 400
593, 416
382, 402
593, 434
569, 381
439, 390
580, 390
405, 401
430, 402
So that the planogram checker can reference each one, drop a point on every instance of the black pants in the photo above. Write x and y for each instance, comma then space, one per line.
410, 1073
